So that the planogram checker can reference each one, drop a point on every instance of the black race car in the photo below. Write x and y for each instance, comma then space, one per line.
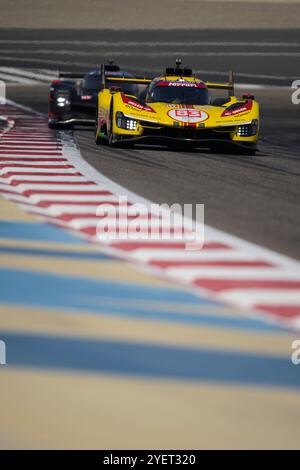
73, 96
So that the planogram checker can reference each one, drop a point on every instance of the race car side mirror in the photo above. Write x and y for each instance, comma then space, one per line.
248, 96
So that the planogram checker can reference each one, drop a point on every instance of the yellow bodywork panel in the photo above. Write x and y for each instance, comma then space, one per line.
234, 112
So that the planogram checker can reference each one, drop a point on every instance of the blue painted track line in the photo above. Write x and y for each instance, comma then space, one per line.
54, 253
36, 231
62, 292
156, 361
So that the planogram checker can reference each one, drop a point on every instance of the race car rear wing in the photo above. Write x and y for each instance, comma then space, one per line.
133, 80
223, 86
138, 81
62, 74
110, 67
145, 81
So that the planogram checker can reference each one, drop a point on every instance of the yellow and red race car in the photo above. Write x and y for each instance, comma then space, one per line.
177, 108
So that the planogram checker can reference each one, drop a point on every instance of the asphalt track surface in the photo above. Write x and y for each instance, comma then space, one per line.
142, 14
256, 198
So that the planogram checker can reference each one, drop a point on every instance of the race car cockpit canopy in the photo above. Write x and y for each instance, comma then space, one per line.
178, 92
178, 71
177, 86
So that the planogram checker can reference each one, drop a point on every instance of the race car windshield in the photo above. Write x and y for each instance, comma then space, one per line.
179, 95
92, 82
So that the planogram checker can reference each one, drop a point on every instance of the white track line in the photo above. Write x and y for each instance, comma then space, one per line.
86, 63
14, 79
180, 255
190, 274
27, 74
150, 43
262, 296
152, 54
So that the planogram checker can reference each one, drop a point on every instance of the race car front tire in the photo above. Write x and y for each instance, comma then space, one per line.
110, 126
100, 138
113, 139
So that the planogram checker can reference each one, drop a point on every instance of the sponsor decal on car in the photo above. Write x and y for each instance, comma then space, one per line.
237, 109
188, 115
137, 105
181, 83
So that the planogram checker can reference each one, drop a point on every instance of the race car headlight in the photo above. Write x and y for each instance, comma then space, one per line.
62, 101
125, 122
248, 130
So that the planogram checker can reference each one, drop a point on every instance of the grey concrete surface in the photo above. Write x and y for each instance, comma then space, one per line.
270, 56
143, 14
